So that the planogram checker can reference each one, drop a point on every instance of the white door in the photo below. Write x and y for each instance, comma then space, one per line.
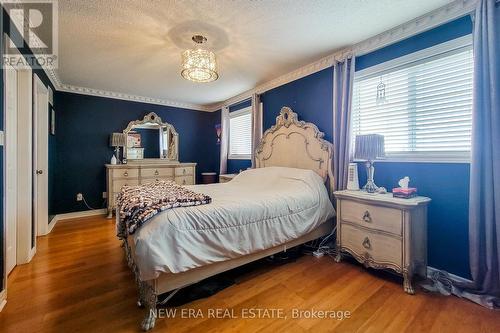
40, 156
11, 166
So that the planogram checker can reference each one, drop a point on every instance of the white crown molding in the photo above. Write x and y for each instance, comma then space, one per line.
59, 86
129, 97
54, 78
420, 24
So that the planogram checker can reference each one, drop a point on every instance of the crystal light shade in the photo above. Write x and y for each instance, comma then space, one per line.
199, 65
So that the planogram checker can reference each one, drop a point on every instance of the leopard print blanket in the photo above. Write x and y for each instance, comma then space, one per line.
138, 204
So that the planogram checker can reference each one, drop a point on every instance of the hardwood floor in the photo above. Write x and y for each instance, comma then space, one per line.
79, 282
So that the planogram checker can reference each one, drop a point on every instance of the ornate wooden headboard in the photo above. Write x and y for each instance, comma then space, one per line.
296, 144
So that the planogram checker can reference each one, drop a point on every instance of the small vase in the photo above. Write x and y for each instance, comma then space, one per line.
113, 159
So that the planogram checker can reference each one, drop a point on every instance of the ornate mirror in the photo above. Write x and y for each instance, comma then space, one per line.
151, 138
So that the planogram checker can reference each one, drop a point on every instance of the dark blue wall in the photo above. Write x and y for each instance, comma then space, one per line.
310, 97
447, 184
84, 124
234, 166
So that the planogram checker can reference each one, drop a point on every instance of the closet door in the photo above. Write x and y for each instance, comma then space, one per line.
10, 166
40, 156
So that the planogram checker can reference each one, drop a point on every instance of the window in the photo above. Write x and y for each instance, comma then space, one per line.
421, 103
240, 134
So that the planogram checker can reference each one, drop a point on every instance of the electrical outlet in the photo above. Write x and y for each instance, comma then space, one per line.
104, 195
79, 197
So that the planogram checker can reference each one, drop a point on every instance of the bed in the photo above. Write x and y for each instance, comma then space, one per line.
284, 202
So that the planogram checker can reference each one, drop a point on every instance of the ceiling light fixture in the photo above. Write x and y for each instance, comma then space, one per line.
199, 65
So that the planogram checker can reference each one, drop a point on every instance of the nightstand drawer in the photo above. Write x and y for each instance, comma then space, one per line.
373, 217
381, 248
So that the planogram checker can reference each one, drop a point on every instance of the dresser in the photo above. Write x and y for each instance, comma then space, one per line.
383, 232
145, 172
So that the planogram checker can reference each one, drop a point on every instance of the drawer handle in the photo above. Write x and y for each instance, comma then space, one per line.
125, 174
156, 173
184, 171
184, 182
366, 243
366, 217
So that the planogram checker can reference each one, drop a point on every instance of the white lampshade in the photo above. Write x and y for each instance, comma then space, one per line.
369, 147
117, 140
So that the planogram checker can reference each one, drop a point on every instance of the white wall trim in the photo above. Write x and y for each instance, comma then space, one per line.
425, 22
454, 277
420, 24
130, 97
75, 215
3, 299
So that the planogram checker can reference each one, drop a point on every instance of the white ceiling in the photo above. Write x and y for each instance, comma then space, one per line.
134, 46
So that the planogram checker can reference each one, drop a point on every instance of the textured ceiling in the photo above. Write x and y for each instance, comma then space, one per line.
134, 46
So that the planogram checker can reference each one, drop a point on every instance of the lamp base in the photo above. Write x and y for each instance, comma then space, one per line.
370, 186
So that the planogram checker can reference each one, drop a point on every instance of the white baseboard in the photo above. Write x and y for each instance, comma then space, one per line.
457, 278
52, 224
3, 299
75, 215
31, 254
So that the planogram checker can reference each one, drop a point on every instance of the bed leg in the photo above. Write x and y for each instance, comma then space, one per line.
148, 298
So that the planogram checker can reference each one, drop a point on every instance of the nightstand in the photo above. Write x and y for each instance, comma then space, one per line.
383, 232
227, 177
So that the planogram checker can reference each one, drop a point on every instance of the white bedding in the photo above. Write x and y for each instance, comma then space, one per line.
258, 209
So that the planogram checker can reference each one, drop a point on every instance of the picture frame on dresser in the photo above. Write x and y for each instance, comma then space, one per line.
383, 232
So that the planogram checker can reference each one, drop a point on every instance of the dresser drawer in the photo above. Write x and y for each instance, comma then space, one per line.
184, 180
153, 179
119, 183
184, 171
374, 217
156, 172
125, 173
382, 248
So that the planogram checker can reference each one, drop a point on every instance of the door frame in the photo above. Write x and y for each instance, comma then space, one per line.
40, 91
10, 179
26, 238
26, 230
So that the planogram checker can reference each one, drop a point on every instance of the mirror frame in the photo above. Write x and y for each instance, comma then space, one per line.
153, 118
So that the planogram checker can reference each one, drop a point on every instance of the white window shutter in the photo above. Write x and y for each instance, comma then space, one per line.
427, 110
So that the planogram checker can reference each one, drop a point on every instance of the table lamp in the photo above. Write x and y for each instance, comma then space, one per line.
369, 147
117, 140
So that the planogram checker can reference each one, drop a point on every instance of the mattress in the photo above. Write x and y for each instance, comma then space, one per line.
258, 209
